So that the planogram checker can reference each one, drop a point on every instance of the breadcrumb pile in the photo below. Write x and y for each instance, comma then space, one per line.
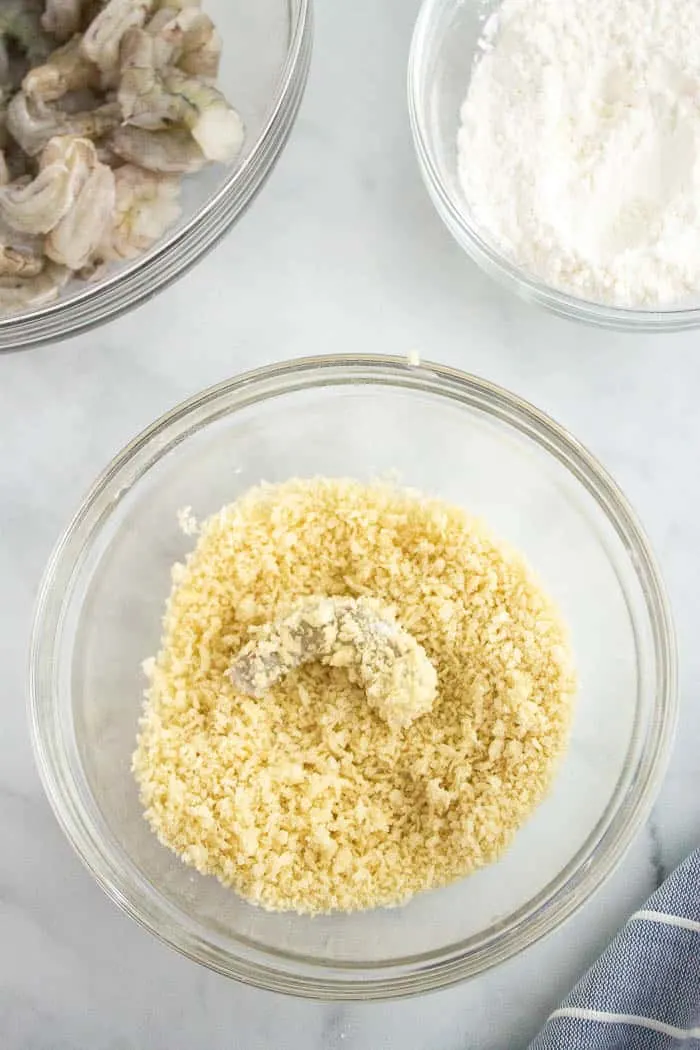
305, 799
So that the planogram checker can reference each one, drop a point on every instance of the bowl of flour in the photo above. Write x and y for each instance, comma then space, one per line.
560, 143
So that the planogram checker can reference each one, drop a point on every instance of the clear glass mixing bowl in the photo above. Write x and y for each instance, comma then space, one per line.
448, 434
444, 48
265, 63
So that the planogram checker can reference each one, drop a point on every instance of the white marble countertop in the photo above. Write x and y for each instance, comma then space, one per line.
341, 252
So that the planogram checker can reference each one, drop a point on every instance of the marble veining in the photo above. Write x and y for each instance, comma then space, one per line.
341, 252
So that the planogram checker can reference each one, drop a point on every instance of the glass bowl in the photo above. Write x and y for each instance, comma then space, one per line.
448, 434
264, 68
443, 51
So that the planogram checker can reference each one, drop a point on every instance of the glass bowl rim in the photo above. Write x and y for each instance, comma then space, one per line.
182, 249
489, 258
306, 976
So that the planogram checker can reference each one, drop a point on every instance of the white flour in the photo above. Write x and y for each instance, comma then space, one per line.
579, 150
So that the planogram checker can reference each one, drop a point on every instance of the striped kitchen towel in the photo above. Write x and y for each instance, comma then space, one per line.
644, 992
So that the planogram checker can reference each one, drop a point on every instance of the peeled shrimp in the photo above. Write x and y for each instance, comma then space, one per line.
103, 37
74, 241
215, 125
140, 86
164, 49
66, 69
187, 39
22, 293
172, 151
33, 124
37, 205
147, 204
354, 633
154, 99
104, 105
200, 52
14, 263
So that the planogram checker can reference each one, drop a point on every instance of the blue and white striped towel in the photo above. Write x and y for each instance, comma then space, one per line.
644, 992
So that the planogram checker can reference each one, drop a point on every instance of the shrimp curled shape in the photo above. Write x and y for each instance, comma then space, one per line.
74, 240
146, 205
38, 205
15, 263
32, 123
102, 39
156, 98
359, 634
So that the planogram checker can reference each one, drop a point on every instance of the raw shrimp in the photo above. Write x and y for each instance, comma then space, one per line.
74, 241
37, 205
359, 634
33, 124
215, 125
104, 106
66, 69
14, 263
22, 253
200, 54
140, 84
187, 39
103, 38
172, 151
147, 204
164, 50
154, 99
22, 293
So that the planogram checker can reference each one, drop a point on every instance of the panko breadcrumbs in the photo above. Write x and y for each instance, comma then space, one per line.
305, 799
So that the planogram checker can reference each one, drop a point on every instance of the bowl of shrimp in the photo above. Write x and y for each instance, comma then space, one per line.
133, 134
